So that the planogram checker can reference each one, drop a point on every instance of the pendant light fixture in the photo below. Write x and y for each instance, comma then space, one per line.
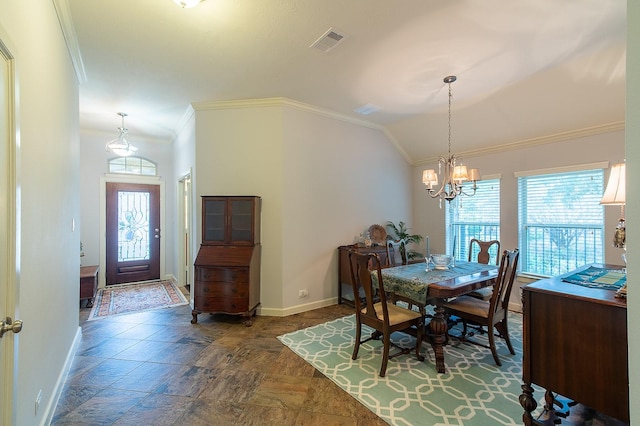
120, 145
449, 172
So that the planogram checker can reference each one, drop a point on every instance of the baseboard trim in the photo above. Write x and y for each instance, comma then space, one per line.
47, 418
283, 312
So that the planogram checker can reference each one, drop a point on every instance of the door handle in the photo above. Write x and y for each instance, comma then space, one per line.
8, 325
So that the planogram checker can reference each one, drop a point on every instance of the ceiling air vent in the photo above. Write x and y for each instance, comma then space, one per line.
328, 40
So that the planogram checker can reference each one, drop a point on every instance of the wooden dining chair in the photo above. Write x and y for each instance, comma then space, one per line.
492, 313
396, 253
376, 312
484, 251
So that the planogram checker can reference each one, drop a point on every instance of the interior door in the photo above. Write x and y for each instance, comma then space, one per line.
132, 233
8, 238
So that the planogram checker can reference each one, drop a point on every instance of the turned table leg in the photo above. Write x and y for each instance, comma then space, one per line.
528, 403
438, 332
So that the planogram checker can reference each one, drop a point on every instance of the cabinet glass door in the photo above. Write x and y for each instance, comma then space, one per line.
242, 221
214, 220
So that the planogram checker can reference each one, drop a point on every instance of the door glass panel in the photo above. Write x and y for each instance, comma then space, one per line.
133, 226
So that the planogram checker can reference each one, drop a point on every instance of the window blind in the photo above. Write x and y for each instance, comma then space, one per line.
561, 221
473, 217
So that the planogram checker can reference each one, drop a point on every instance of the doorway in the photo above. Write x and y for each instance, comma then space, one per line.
133, 234
184, 229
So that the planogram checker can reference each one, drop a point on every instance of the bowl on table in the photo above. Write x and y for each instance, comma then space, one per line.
441, 261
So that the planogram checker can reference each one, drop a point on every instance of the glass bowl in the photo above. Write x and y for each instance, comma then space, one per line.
441, 261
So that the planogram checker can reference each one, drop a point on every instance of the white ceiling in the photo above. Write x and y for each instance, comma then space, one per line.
526, 68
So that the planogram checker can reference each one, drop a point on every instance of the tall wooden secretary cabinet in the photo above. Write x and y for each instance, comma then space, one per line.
227, 267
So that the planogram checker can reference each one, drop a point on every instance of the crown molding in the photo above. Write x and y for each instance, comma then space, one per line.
71, 40
286, 102
282, 102
527, 143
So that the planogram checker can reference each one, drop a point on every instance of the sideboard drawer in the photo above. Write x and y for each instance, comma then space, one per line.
222, 289
229, 275
229, 305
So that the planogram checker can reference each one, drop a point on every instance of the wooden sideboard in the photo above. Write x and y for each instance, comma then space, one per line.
345, 295
575, 345
88, 284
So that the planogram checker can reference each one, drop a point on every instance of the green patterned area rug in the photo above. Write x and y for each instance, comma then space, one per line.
473, 391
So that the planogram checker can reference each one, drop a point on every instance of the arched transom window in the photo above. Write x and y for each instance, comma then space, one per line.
132, 166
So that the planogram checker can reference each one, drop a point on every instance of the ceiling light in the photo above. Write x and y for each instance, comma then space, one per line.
120, 145
453, 176
186, 4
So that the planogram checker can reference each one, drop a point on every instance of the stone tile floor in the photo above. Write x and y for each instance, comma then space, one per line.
156, 368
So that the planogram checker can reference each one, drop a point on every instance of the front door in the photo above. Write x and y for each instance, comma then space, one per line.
133, 232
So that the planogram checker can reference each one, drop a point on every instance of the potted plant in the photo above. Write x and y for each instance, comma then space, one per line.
402, 233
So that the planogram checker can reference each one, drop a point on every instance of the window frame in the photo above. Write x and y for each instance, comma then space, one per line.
459, 248
544, 265
132, 165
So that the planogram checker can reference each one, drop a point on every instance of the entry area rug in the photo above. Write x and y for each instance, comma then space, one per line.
473, 391
134, 298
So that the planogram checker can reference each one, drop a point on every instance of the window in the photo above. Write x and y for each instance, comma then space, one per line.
473, 217
132, 166
561, 221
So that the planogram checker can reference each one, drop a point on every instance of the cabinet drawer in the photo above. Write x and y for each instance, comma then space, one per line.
222, 274
230, 305
221, 289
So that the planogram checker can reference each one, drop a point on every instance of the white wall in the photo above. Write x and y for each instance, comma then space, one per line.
430, 220
94, 166
339, 178
633, 202
238, 152
608, 146
49, 181
322, 181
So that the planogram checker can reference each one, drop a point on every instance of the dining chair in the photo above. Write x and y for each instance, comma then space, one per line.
484, 251
396, 253
376, 312
492, 313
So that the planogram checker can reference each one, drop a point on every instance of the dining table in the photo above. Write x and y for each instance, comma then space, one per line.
424, 285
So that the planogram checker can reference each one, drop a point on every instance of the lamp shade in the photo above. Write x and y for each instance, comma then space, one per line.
615, 193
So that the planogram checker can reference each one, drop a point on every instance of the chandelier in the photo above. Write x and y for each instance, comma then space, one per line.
120, 145
449, 173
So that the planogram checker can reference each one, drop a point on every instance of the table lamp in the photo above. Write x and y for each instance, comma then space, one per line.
615, 195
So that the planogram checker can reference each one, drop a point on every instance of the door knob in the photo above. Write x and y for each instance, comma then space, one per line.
7, 325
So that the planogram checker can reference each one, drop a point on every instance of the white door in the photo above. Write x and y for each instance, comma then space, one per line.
8, 235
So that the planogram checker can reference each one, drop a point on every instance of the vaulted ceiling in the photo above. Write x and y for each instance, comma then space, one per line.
526, 69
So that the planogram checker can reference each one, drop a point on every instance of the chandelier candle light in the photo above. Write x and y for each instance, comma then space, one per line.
120, 145
451, 174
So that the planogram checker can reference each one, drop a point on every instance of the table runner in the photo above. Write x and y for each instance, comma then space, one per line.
413, 280
594, 277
